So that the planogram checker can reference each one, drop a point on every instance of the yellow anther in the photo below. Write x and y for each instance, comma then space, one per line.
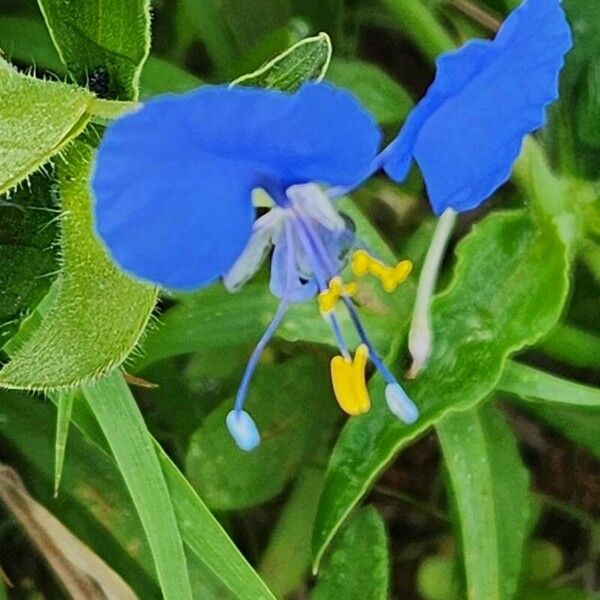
361, 262
328, 298
390, 277
349, 385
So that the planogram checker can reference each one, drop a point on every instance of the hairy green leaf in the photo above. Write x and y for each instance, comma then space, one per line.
28, 261
358, 566
508, 290
103, 43
99, 313
305, 61
37, 119
493, 507
293, 407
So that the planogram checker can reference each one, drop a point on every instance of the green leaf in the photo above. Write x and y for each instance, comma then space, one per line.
63, 421
286, 560
292, 406
537, 386
387, 100
358, 566
580, 425
509, 287
305, 61
99, 313
572, 345
28, 262
161, 77
493, 508
205, 537
27, 40
37, 119
93, 502
102, 42
131, 446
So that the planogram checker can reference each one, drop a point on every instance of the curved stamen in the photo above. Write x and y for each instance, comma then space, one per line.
240, 424
397, 400
321, 275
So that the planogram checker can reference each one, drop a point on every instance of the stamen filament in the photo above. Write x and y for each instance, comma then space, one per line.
420, 336
240, 424
320, 273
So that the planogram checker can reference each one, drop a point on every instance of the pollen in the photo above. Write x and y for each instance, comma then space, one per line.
349, 385
390, 277
328, 298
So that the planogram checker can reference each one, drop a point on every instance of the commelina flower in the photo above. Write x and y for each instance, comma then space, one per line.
173, 183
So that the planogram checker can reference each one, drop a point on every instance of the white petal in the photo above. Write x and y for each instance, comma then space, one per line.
251, 259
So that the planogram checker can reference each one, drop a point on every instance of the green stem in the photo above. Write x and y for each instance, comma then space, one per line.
110, 109
420, 336
422, 26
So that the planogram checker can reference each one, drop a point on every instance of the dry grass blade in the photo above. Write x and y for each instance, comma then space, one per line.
84, 574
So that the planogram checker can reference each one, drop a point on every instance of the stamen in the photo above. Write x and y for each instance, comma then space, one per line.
390, 277
243, 429
400, 404
240, 425
329, 298
349, 385
397, 400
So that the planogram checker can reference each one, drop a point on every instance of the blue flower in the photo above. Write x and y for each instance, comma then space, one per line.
173, 182
467, 131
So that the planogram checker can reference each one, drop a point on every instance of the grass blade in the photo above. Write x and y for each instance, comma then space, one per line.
63, 420
131, 446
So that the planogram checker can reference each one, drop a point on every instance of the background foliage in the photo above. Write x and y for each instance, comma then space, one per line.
494, 493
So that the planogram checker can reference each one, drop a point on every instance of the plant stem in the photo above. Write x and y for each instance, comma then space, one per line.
420, 336
422, 26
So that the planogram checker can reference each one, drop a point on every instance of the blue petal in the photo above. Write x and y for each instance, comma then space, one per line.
172, 181
467, 131
168, 212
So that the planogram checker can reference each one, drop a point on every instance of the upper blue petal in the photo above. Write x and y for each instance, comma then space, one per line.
172, 181
467, 131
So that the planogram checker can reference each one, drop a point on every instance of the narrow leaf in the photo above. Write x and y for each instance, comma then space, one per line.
37, 119
537, 386
498, 302
131, 446
286, 560
103, 43
490, 489
63, 421
305, 61
99, 313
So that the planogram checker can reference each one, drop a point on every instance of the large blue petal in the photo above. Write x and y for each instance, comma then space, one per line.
172, 181
467, 131
319, 134
168, 212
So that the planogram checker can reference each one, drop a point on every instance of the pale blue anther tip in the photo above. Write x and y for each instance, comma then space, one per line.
243, 430
400, 404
